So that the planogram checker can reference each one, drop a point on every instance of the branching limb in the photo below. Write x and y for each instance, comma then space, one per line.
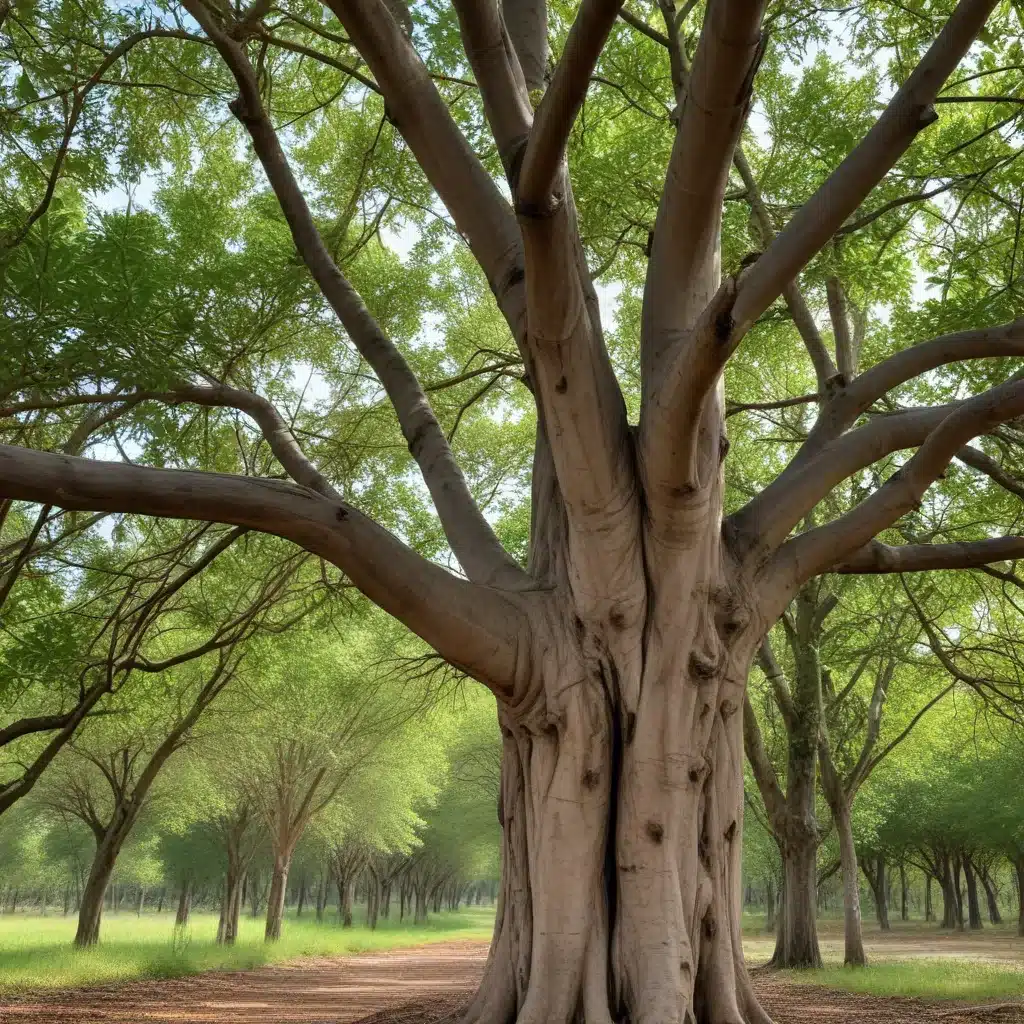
469, 534
826, 457
814, 552
474, 627
480, 212
909, 111
557, 112
777, 680
685, 244
761, 765
803, 320
496, 67
877, 557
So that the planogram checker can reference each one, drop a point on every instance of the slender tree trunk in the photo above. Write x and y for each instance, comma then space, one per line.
181, 918
275, 902
345, 888
958, 902
1018, 864
874, 871
769, 898
67, 899
991, 896
973, 905
302, 896
93, 895
929, 913
950, 896
904, 915
160, 899
321, 897
853, 936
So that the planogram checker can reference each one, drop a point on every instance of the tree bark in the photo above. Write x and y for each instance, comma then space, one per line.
275, 901
991, 896
181, 918
853, 935
93, 895
903, 892
1018, 865
973, 906
929, 913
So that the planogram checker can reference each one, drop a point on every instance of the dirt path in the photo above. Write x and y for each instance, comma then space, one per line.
412, 986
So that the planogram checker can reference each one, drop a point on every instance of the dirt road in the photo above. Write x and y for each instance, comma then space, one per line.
412, 986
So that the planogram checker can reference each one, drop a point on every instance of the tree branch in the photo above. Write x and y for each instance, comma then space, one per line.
877, 557
813, 552
474, 627
469, 534
562, 101
909, 111
685, 245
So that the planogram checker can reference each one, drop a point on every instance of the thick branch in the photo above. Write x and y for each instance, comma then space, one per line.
909, 111
469, 534
683, 269
562, 102
481, 214
823, 461
471, 626
877, 557
813, 552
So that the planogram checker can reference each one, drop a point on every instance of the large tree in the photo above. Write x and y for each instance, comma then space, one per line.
619, 651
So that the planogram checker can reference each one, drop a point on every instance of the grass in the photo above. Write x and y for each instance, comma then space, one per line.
945, 978
36, 952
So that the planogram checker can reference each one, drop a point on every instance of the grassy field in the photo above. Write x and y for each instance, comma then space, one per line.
945, 978
37, 952
913, 959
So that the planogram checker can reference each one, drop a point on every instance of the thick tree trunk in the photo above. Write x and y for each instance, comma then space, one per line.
797, 938
93, 895
275, 901
973, 906
621, 891
853, 935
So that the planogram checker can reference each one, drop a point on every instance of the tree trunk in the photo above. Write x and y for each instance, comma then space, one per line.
345, 887
769, 898
302, 896
796, 942
874, 871
231, 904
991, 896
853, 937
275, 902
958, 902
160, 899
181, 918
973, 906
93, 895
1018, 864
321, 898
904, 916
67, 899
929, 913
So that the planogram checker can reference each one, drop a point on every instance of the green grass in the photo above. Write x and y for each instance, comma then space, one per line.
944, 978
37, 952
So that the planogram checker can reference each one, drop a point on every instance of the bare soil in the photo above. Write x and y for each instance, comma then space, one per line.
414, 986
